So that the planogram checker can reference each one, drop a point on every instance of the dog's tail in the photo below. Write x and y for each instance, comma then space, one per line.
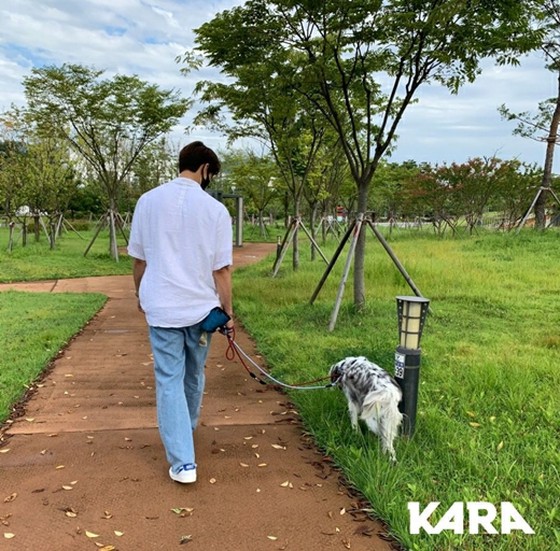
383, 402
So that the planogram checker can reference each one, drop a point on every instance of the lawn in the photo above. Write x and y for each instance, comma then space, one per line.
487, 427
35, 261
33, 329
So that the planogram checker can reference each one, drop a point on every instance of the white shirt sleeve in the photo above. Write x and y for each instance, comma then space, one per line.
223, 255
135, 248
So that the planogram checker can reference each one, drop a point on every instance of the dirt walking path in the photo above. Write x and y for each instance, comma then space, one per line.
83, 468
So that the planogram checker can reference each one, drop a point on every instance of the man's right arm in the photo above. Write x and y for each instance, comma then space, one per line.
138, 269
222, 280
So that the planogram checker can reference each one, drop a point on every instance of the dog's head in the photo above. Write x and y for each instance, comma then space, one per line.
337, 370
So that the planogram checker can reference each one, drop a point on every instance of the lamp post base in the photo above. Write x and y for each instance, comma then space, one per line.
407, 375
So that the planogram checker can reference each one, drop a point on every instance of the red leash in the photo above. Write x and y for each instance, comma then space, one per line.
232, 351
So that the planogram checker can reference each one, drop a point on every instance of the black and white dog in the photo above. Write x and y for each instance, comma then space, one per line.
373, 395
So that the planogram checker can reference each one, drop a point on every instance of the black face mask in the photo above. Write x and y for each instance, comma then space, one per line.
205, 182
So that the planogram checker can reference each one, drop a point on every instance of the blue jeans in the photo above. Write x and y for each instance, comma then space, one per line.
179, 358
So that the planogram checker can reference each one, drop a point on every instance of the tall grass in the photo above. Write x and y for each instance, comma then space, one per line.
487, 427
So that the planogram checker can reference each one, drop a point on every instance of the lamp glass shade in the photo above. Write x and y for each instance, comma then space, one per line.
412, 314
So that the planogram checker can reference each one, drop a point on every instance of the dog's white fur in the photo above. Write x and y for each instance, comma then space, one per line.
373, 396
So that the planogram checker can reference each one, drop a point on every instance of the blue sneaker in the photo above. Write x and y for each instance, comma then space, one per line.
185, 475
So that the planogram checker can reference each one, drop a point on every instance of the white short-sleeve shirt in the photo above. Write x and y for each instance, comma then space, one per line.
184, 235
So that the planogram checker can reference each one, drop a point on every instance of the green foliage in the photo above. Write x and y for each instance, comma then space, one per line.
108, 121
354, 66
487, 427
33, 328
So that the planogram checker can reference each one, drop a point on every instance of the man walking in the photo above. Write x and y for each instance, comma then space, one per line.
181, 243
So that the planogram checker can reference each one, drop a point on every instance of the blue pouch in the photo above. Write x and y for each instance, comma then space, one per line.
214, 320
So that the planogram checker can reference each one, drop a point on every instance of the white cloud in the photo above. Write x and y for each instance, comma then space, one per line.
145, 36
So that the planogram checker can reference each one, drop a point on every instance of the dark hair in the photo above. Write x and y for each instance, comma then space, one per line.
192, 156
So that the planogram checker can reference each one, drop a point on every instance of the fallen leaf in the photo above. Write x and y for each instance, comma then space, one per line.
471, 414
118, 533
106, 515
183, 511
273, 538
59, 467
500, 446
343, 511
212, 481
4, 450
66, 487
9, 535
474, 425
30, 419
185, 539
278, 447
10, 498
91, 534
262, 465
244, 464
107, 547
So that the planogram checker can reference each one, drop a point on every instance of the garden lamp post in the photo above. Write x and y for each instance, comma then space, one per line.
412, 313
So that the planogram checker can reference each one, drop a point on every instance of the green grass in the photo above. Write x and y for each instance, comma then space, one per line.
36, 261
33, 328
487, 427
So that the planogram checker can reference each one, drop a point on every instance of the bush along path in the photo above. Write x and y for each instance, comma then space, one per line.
82, 465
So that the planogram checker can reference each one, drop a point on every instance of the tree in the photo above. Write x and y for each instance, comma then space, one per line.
256, 177
107, 121
361, 63
543, 126
261, 103
156, 164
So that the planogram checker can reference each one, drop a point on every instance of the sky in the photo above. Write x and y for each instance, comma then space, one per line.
143, 37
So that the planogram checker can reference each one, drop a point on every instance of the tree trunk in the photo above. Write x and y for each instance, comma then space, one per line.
37, 226
113, 247
313, 232
52, 234
540, 205
11, 225
360, 254
24, 233
262, 227
295, 244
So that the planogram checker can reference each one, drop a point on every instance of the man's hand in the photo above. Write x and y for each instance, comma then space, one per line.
228, 329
